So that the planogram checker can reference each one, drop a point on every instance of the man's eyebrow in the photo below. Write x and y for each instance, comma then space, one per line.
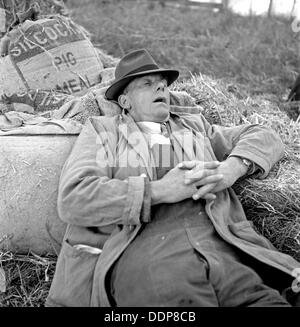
143, 80
151, 79
146, 79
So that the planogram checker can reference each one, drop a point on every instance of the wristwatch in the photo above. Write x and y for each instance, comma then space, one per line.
249, 164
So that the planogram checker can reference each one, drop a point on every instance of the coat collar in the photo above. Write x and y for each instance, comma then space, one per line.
183, 137
138, 142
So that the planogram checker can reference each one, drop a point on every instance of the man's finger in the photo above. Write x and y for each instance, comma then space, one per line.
209, 196
211, 164
192, 177
209, 179
199, 164
203, 191
188, 164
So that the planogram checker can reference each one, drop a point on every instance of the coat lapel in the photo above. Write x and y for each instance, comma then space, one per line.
183, 141
137, 142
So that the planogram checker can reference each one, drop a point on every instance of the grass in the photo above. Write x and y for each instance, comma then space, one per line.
239, 69
28, 279
259, 53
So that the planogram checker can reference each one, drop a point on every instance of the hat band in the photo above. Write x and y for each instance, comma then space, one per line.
144, 68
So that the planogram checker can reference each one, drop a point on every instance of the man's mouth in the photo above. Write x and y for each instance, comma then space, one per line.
160, 100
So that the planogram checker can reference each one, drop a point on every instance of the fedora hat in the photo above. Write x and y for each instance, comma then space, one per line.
134, 64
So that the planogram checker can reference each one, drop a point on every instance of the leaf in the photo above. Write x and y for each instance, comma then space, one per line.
2, 280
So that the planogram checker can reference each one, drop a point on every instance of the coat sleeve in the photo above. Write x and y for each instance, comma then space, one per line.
88, 195
258, 143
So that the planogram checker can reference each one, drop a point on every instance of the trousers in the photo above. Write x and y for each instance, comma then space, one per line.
164, 267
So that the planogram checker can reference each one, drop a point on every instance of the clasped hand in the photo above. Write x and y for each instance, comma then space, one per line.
199, 179
209, 178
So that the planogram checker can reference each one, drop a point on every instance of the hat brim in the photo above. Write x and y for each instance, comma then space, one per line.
113, 92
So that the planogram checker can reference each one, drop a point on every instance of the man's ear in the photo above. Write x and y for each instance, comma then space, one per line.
124, 101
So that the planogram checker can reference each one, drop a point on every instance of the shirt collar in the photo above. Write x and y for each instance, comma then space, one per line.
149, 127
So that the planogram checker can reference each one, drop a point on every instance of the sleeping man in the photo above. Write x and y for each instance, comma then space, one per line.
148, 193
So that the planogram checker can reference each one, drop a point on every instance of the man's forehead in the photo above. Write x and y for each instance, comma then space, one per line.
154, 76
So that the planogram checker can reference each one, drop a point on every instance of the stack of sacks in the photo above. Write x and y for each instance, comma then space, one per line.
45, 57
46, 62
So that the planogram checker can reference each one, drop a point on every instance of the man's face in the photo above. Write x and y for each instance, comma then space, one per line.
148, 98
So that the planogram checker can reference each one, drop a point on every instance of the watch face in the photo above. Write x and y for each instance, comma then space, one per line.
248, 164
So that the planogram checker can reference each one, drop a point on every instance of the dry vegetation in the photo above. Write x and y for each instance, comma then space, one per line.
273, 204
238, 70
28, 279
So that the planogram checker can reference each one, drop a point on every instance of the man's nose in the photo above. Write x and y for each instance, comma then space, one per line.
160, 86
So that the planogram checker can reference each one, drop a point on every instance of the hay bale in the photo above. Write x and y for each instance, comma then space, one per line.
273, 204
30, 166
